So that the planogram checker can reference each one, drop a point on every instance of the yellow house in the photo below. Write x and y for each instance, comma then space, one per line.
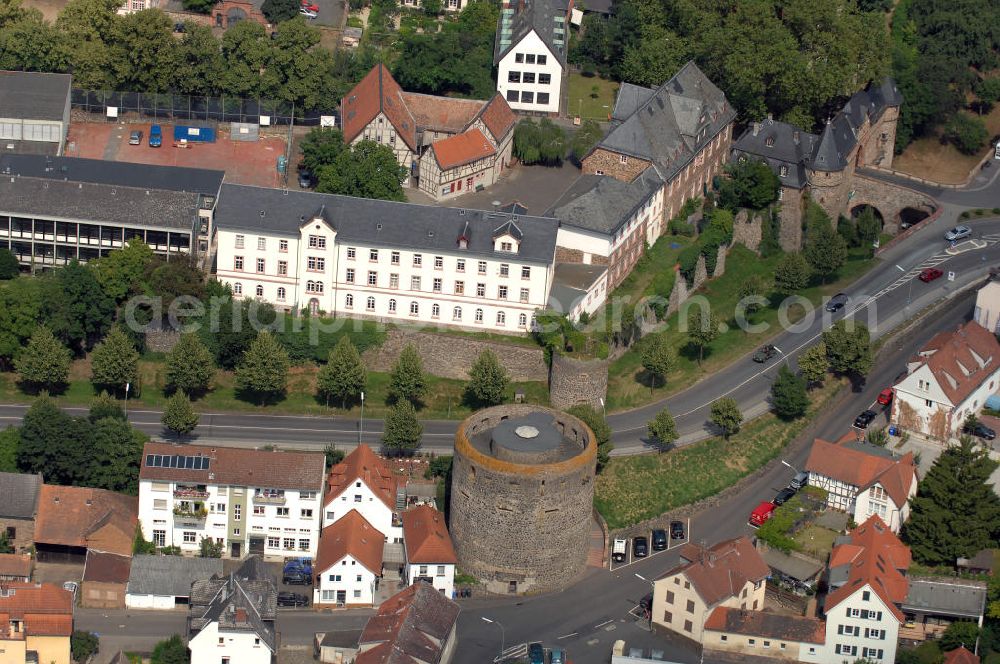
731, 573
36, 621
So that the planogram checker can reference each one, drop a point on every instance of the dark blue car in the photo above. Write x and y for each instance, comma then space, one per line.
536, 654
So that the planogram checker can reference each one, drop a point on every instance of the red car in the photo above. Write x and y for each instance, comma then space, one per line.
306, 4
930, 274
885, 396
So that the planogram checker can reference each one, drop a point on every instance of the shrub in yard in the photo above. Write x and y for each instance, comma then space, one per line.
82, 645
776, 531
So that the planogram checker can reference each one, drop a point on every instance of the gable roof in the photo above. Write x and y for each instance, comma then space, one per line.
15, 564
878, 559
863, 465
169, 575
72, 515
671, 125
362, 465
602, 203
441, 114
101, 567
462, 149
960, 655
378, 92
767, 625
19, 495
779, 144
410, 627
426, 537
237, 466
960, 360
721, 571
46, 609
34, 95
498, 117
350, 535
546, 18
628, 100
245, 601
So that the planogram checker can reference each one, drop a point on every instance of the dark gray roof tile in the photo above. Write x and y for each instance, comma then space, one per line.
601, 203
19, 495
169, 575
34, 95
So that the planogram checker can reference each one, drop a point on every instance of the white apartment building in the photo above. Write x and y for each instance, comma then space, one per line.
349, 563
363, 483
948, 379
530, 54
987, 312
249, 501
430, 555
384, 260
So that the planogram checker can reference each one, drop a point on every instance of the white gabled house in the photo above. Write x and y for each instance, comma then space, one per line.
948, 379
430, 555
349, 562
530, 54
364, 483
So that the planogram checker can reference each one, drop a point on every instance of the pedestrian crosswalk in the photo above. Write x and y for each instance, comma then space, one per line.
911, 274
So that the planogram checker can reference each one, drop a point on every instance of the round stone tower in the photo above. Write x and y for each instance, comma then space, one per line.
522, 494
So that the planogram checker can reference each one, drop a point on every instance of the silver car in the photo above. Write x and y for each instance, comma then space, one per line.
958, 233
135, 137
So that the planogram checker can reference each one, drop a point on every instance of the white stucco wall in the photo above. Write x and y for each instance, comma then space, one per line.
240, 648
531, 44
840, 617
443, 576
356, 581
359, 496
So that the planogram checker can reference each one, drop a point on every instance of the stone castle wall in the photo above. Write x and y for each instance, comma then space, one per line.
748, 230
521, 524
573, 382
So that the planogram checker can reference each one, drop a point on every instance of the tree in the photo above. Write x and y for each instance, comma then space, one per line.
788, 395
199, 6
104, 405
178, 277
658, 358
333, 455
585, 138
365, 170
51, 443
209, 548
239, 321
122, 272
662, 428
82, 645
9, 267
791, 274
488, 379
190, 365
967, 133
20, 311
539, 143
276, 11
958, 634
321, 147
955, 512
814, 364
848, 347
76, 307
431, 8
751, 184
140, 545
602, 432
825, 250
178, 414
263, 373
200, 66
877, 437
703, 328
407, 381
170, 651
10, 443
754, 286
869, 227
143, 51
988, 90
114, 362
44, 362
344, 376
113, 457
726, 415
402, 429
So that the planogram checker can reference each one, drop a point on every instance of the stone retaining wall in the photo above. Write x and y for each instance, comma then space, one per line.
747, 231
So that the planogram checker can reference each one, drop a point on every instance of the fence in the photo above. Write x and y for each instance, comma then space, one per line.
194, 108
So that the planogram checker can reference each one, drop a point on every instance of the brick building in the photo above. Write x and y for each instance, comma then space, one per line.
74, 520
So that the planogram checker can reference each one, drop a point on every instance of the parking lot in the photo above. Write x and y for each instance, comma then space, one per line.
630, 557
244, 162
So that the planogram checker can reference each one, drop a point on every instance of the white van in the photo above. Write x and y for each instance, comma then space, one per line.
618, 550
800, 480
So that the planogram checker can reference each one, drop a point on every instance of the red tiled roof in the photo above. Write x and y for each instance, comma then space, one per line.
36, 600
362, 464
426, 538
961, 360
960, 655
350, 535
103, 567
445, 114
240, 467
462, 149
853, 466
411, 627
73, 516
378, 92
766, 625
48, 625
14, 564
880, 564
498, 117
722, 570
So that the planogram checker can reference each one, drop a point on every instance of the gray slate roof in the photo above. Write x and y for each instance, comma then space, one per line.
244, 601
630, 98
34, 95
673, 124
169, 575
793, 566
19, 495
545, 17
571, 282
779, 144
601, 203
383, 223
949, 597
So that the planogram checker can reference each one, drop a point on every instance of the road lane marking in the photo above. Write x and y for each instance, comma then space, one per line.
604, 623
566, 636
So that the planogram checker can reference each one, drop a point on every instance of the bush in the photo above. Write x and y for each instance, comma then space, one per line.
680, 226
967, 133
82, 645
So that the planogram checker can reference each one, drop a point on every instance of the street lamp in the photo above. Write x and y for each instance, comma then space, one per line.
497, 623
782, 354
361, 424
785, 463
653, 586
127, 386
909, 289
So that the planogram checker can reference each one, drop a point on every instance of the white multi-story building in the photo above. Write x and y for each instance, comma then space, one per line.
249, 501
948, 379
364, 483
427, 546
384, 260
530, 54
987, 312
349, 562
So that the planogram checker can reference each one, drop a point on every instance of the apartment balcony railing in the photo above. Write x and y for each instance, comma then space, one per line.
190, 492
198, 513
269, 498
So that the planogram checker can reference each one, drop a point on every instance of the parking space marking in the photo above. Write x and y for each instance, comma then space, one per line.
566, 636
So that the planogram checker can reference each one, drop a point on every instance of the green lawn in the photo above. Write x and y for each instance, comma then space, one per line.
815, 541
581, 99
628, 386
634, 488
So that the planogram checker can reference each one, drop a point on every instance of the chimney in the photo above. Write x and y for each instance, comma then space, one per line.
756, 128
795, 137
770, 118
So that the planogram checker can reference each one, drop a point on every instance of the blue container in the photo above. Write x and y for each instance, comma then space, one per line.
193, 134
282, 163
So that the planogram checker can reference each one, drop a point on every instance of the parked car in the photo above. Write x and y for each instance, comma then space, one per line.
308, 13
800, 480
292, 599
864, 419
677, 530
836, 302
135, 137
765, 353
311, 6
885, 397
783, 496
73, 587
640, 547
929, 274
958, 233
155, 136
659, 539
980, 430
761, 514
296, 579
619, 550
536, 654
557, 656
305, 178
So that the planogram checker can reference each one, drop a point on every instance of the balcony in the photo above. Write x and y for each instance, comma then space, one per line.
269, 497
197, 512
190, 492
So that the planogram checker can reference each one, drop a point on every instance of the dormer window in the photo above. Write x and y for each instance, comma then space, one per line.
783, 171
506, 246
769, 141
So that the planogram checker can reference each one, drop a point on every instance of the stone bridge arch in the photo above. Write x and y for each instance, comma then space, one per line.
895, 203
